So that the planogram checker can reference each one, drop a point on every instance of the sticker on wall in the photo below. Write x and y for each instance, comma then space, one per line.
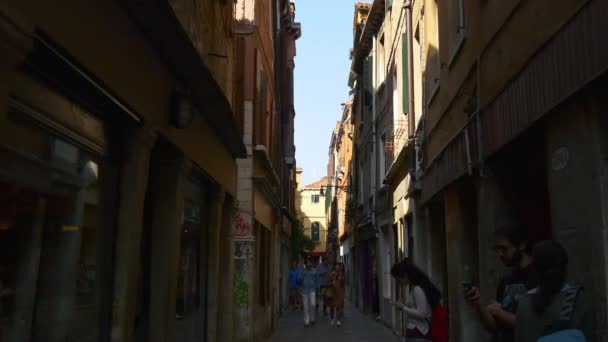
560, 158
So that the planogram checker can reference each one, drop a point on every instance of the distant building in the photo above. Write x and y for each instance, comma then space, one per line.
265, 44
311, 212
339, 188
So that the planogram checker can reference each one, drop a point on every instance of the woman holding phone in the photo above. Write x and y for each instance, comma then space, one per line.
421, 296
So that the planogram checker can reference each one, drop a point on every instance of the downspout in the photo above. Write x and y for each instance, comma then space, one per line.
373, 122
482, 169
468, 148
476, 113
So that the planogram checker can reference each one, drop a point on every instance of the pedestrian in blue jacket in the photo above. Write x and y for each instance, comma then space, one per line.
309, 283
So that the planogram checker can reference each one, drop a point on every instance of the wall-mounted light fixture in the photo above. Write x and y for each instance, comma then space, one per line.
345, 188
181, 110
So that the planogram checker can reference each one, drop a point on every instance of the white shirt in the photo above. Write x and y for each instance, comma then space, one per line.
418, 309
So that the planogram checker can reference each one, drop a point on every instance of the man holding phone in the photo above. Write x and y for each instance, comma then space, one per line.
513, 247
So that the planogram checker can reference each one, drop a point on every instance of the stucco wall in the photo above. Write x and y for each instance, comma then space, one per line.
313, 212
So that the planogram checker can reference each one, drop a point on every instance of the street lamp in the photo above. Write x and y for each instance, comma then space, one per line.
345, 188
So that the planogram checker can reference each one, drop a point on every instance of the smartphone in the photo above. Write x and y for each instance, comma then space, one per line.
467, 286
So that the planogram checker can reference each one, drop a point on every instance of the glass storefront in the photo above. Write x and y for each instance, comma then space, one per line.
191, 277
51, 225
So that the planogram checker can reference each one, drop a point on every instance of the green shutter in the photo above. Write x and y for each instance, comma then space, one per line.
405, 78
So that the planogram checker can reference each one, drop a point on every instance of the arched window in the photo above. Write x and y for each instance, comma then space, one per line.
315, 231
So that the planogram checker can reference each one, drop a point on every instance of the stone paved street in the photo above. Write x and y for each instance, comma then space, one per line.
356, 328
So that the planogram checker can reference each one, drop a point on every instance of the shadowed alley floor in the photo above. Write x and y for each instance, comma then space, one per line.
356, 328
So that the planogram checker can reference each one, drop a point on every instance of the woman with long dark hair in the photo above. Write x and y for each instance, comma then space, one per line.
555, 306
421, 296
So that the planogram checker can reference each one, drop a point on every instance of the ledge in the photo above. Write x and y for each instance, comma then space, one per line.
364, 45
166, 34
400, 167
269, 181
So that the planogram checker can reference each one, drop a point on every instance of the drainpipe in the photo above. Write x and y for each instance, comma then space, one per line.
411, 129
478, 120
373, 149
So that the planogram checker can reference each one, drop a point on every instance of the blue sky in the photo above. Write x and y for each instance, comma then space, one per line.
321, 74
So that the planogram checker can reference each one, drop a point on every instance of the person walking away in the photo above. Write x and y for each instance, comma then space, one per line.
323, 272
294, 273
336, 295
513, 247
556, 310
421, 296
309, 283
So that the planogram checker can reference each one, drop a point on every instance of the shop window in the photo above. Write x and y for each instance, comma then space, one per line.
50, 237
191, 300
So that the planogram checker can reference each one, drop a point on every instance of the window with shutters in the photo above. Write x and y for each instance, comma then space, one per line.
314, 198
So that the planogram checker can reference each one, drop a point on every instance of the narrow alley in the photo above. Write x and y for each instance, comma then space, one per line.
356, 328
190, 170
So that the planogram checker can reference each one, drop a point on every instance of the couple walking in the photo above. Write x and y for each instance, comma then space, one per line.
310, 280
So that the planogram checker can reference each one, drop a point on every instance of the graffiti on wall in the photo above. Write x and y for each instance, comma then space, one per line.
243, 224
243, 250
241, 290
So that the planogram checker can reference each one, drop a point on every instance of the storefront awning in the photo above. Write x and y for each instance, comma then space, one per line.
315, 254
